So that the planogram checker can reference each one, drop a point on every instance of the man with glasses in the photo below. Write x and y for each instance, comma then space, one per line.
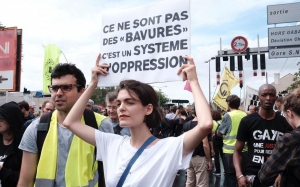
57, 164
111, 106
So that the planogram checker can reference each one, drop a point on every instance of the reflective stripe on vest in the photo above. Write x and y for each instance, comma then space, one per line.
81, 165
48, 182
229, 139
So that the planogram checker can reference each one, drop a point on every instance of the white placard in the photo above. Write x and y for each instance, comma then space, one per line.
284, 52
284, 36
6, 80
283, 13
146, 43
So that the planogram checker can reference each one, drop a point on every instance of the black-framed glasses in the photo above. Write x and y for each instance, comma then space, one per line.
63, 87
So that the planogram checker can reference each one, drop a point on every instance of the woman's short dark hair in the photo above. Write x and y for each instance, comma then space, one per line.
216, 115
146, 95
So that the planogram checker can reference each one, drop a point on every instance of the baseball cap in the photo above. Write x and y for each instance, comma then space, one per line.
90, 102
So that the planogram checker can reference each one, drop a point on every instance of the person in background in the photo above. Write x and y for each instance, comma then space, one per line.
178, 121
111, 106
90, 104
285, 158
278, 104
97, 109
46, 108
172, 112
228, 130
11, 131
31, 109
217, 142
251, 109
201, 163
25, 110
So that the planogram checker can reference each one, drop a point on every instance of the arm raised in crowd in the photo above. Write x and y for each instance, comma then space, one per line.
204, 126
73, 119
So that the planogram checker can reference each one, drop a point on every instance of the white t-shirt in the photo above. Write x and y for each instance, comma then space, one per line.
156, 166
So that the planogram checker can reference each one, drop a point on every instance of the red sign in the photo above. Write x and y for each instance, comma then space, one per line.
239, 44
8, 55
8, 49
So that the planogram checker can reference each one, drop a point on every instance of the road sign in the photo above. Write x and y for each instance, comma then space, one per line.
284, 36
284, 52
179, 101
239, 44
283, 13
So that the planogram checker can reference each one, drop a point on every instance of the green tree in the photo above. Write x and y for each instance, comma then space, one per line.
162, 98
99, 95
296, 84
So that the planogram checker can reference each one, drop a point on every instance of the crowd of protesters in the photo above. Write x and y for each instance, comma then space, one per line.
259, 148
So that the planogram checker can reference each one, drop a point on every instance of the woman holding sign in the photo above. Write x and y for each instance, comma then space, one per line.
141, 160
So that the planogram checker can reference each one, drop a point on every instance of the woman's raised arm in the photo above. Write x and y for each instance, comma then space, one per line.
73, 119
193, 137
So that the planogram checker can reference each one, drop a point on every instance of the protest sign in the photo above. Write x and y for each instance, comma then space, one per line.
146, 43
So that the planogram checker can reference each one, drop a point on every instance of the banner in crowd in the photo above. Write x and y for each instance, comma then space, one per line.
146, 43
51, 59
251, 98
228, 82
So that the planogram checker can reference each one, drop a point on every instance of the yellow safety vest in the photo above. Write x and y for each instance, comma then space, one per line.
80, 165
229, 140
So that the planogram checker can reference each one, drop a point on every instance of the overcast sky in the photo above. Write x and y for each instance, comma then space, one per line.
74, 26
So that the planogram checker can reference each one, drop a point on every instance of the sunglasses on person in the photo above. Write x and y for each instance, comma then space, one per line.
63, 87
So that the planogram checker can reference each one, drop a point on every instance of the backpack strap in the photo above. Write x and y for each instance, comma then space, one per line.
117, 129
90, 120
42, 130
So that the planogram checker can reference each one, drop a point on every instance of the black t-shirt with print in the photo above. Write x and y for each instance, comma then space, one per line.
3, 151
261, 136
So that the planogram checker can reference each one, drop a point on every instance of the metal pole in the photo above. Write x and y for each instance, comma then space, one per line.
209, 96
159, 97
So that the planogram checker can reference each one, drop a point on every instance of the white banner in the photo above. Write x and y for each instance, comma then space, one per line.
146, 43
251, 98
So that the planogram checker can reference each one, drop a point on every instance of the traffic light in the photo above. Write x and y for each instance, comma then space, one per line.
254, 62
218, 64
262, 61
225, 58
240, 63
232, 63
247, 56
254, 65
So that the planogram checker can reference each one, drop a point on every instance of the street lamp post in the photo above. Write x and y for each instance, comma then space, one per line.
209, 89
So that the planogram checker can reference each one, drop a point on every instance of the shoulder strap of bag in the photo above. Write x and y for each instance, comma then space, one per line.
42, 131
90, 120
133, 159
